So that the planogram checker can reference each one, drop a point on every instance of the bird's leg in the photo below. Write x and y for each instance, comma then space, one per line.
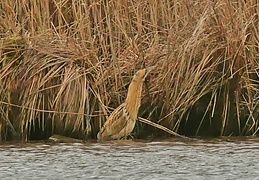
124, 138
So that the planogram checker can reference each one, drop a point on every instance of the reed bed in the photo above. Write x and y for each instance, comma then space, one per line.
66, 64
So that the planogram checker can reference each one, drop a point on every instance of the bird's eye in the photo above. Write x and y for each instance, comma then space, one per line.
136, 74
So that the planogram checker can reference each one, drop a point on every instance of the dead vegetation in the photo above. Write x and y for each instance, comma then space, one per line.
65, 64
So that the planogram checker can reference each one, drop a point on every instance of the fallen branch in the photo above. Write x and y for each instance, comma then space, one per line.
161, 127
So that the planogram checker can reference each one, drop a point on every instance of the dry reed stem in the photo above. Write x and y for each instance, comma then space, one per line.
146, 121
79, 57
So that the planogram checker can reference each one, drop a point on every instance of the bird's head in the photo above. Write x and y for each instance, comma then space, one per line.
142, 74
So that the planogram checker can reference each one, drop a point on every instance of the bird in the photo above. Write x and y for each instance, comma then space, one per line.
122, 120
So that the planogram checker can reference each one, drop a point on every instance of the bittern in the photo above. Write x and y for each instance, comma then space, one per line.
122, 120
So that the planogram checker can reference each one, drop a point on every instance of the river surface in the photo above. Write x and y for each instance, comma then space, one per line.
168, 159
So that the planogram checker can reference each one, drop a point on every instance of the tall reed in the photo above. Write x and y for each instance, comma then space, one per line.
66, 64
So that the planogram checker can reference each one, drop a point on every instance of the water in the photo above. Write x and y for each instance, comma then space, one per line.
167, 159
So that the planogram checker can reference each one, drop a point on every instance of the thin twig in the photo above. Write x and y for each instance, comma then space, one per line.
46, 111
161, 127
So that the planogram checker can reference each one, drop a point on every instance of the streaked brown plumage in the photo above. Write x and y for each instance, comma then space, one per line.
122, 120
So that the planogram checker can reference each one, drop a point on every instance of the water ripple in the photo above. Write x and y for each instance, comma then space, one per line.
171, 159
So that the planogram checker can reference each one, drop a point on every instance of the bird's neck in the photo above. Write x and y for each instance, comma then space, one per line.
133, 99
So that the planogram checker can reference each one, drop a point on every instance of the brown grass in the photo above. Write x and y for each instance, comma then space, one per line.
65, 64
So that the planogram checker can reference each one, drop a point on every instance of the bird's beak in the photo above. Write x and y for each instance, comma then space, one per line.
148, 69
